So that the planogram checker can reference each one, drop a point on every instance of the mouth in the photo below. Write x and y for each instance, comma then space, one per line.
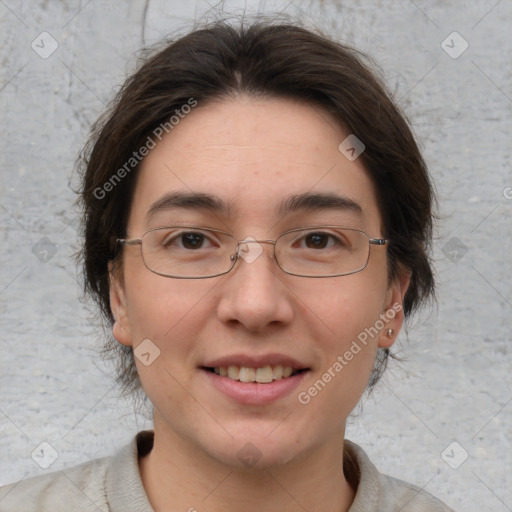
255, 385
261, 375
256, 380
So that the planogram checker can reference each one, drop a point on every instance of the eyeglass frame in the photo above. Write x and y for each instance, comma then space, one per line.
236, 256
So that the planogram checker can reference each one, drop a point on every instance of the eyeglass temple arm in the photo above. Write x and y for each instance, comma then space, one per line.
133, 241
379, 241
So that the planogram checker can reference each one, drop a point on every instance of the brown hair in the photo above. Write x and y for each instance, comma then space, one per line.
268, 60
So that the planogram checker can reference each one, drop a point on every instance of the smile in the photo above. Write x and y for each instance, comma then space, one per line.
262, 375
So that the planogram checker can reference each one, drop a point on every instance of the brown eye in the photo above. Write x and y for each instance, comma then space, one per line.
317, 240
189, 240
192, 240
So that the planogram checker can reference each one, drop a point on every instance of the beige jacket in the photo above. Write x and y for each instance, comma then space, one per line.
113, 484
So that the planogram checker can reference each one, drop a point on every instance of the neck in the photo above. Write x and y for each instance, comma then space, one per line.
177, 477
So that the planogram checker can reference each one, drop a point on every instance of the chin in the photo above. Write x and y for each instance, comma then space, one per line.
256, 449
250, 456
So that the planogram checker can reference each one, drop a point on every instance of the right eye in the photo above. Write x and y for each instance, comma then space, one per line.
191, 240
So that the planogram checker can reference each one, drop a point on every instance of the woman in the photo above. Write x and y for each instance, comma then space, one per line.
257, 222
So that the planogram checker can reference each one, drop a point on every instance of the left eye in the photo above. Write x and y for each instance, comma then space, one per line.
192, 240
316, 240
319, 240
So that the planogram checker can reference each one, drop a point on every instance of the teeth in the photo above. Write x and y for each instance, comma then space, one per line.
247, 374
264, 374
261, 375
277, 372
233, 372
287, 371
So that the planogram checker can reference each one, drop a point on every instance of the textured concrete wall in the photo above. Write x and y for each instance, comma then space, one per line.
455, 385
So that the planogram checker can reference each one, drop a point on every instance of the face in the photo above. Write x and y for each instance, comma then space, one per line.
254, 155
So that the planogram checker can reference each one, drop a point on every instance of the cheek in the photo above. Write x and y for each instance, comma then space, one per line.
347, 360
171, 313
342, 318
340, 309
156, 304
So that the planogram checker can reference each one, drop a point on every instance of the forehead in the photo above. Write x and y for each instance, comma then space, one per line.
254, 154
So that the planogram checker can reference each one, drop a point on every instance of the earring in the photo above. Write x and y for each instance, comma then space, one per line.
390, 333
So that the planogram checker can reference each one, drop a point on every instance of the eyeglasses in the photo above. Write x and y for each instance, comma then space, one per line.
193, 252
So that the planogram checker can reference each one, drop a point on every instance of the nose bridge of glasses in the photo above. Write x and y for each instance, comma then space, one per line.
250, 249
251, 240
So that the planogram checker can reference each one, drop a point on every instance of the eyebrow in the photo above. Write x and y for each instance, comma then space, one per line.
318, 201
191, 201
307, 201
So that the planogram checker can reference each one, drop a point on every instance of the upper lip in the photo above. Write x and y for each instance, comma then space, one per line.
252, 361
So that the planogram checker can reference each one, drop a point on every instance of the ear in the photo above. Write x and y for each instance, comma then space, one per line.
118, 304
393, 314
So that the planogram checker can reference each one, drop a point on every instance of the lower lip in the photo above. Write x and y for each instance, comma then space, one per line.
254, 393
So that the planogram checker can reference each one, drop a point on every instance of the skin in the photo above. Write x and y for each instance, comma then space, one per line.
235, 149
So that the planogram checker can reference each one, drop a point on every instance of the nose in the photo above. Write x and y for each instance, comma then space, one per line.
253, 294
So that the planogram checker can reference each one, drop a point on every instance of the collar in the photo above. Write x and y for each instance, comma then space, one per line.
125, 492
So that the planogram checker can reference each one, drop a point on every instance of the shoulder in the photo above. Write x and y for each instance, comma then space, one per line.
110, 484
81, 487
383, 493
408, 497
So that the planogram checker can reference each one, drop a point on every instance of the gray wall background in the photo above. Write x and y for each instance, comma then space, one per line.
455, 386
